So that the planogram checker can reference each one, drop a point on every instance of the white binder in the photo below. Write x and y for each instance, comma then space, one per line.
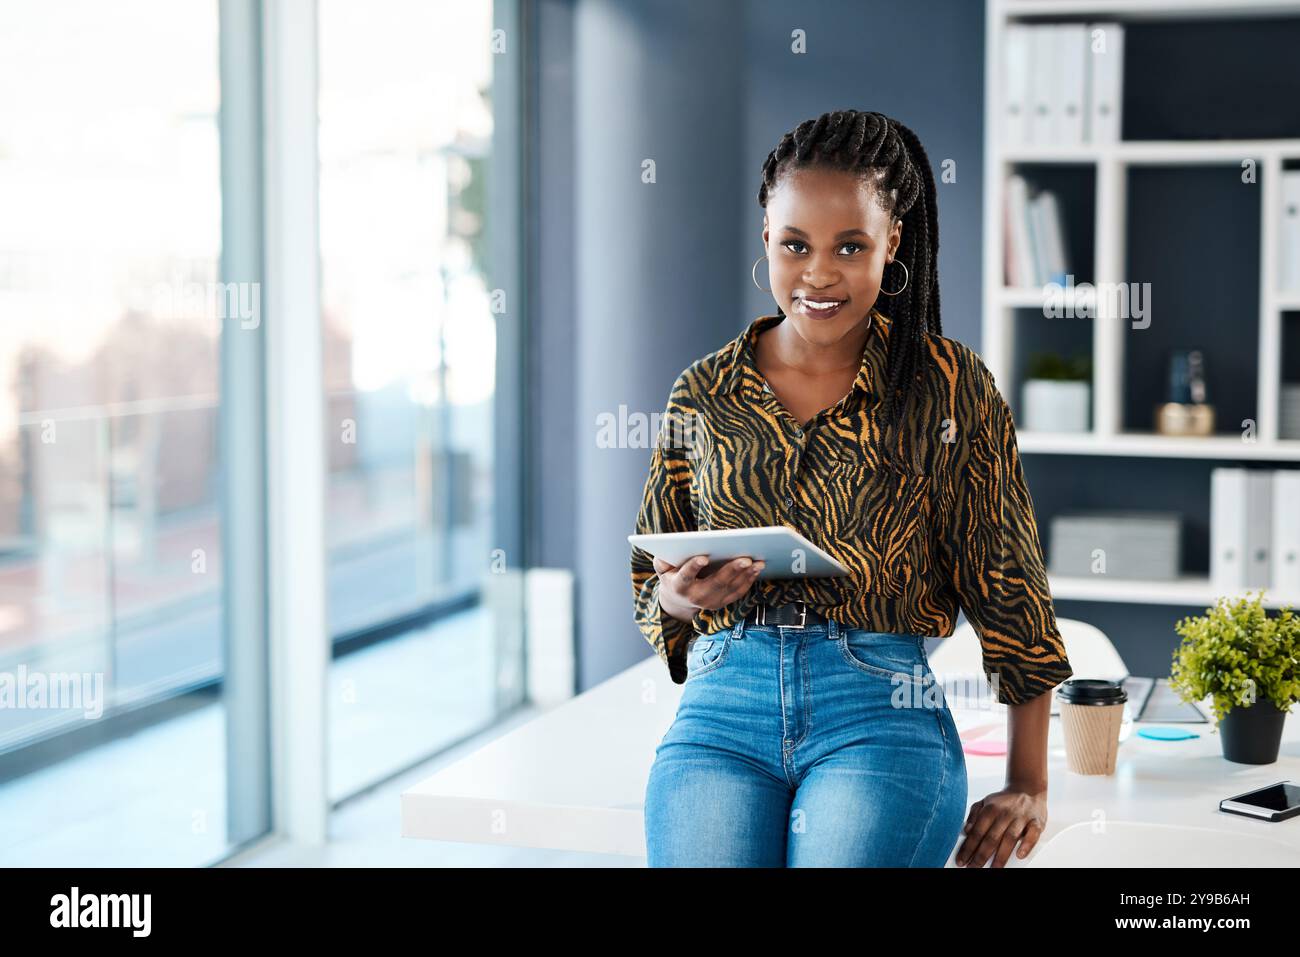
1015, 85
1071, 70
1105, 78
1042, 85
1230, 523
1288, 262
1259, 527
1286, 533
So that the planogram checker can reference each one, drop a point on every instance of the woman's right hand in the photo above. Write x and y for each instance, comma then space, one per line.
682, 592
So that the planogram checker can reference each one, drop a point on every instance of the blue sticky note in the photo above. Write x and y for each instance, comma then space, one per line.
1167, 734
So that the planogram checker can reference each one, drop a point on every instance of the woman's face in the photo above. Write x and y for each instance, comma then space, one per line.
827, 241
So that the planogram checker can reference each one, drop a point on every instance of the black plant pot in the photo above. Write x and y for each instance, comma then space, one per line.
1253, 734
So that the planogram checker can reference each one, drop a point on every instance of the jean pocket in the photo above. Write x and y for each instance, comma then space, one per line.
706, 653
885, 655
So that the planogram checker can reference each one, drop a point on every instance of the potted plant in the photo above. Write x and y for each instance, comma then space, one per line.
1057, 394
1247, 662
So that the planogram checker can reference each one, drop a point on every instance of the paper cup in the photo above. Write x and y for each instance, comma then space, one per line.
1092, 711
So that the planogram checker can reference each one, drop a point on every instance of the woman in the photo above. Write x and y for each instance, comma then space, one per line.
811, 731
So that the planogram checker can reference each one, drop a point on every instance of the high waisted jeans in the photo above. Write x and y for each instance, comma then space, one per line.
825, 746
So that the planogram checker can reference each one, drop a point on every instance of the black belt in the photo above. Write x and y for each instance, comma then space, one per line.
796, 614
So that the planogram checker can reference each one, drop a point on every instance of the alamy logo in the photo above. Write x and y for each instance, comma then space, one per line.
101, 910
53, 689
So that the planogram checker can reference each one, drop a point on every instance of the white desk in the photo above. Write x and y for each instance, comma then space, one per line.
574, 778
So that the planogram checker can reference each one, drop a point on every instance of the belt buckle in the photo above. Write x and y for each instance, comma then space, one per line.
803, 614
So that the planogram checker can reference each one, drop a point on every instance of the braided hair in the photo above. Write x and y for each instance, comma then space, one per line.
891, 156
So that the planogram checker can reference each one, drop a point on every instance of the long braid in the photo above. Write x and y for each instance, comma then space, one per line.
891, 155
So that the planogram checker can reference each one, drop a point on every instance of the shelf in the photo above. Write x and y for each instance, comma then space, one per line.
1032, 297
1148, 9
1148, 152
1189, 590
1139, 445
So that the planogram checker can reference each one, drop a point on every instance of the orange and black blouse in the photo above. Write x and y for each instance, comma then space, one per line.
930, 517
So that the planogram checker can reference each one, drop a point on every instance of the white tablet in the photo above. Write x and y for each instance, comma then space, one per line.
787, 553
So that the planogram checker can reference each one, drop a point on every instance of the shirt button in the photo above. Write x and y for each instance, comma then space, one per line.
798, 432
789, 500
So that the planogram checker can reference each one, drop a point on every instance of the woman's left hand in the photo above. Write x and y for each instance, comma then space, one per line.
995, 824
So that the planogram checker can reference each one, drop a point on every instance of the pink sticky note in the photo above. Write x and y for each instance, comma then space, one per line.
987, 746
978, 730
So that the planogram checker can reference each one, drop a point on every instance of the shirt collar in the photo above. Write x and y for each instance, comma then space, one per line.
738, 366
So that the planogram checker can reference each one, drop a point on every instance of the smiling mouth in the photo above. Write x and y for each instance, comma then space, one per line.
820, 306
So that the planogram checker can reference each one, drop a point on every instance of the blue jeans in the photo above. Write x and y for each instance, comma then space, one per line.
825, 746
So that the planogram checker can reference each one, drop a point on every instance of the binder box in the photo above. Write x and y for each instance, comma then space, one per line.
1241, 528
1131, 545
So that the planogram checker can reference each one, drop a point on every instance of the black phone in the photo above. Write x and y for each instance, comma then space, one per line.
1276, 802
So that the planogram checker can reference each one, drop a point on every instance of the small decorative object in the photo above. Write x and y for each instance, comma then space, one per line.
1246, 661
1057, 395
1185, 411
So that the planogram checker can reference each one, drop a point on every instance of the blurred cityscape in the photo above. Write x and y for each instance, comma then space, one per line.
113, 312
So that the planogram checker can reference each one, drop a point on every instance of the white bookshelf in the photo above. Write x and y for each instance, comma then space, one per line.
1155, 152
1109, 164
1187, 590
1149, 9
1152, 445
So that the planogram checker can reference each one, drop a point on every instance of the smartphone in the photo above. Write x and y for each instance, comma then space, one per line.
1276, 802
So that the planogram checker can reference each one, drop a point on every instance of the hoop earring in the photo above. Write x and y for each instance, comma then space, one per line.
754, 268
906, 278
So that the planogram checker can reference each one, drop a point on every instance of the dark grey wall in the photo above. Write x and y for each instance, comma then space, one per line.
920, 62
654, 283
631, 281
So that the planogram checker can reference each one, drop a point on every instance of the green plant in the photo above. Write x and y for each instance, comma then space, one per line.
1051, 365
1238, 655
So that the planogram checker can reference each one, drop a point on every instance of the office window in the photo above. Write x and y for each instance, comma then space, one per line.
110, 522
406, 134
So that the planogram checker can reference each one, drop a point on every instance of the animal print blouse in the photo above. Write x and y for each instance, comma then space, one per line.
929, 517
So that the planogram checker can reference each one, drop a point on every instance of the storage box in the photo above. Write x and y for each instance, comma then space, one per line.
1140, 545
